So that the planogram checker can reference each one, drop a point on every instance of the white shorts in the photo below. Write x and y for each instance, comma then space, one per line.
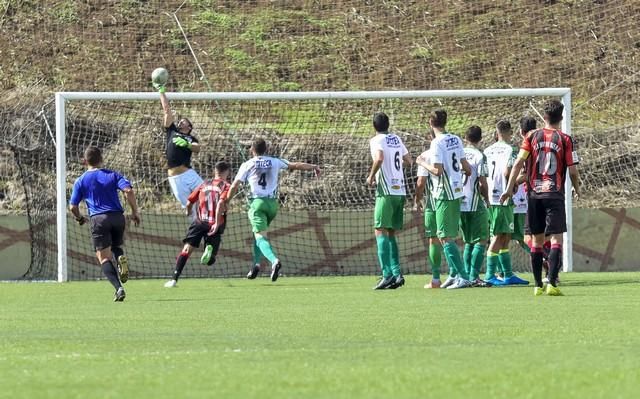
183, 184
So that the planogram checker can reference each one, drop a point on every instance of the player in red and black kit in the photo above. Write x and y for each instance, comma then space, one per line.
549, 154
211, 198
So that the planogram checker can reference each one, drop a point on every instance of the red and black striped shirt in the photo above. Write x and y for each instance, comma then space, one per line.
209, 196
549, 152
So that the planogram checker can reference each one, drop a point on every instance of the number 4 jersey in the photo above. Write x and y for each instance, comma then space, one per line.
261, 173
390, 177
448, 150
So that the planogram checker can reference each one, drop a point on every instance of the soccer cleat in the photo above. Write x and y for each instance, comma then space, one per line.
398, 281
545, 280
495, 281
435, 283
553, 291
538, 291
450, 280
120, 295
253, 273
480, 283
171, 284
384, 282
460, 283
206, 255
275, 269
515, 280
123, 268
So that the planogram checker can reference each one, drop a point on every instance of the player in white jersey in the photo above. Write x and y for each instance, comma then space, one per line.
474, 219
387, 174
446, 169
261, 173
500, 158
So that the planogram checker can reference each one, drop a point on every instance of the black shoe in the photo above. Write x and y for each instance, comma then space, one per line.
480, 283
253, 273
397, 282
275, 270
383, 283
120, 295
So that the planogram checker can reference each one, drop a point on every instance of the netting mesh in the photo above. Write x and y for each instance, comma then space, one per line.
304, 45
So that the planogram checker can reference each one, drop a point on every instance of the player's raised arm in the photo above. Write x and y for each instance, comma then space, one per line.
304, 166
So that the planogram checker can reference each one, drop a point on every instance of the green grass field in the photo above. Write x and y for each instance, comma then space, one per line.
320, 337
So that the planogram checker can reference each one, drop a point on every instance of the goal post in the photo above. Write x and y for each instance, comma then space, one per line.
257, 123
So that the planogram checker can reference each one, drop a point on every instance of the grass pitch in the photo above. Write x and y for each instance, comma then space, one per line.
320, 337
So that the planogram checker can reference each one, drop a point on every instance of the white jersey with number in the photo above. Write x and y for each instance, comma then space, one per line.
390, 176
472, 199
262, 174
422, 172
500, 157
448, 150
520, 200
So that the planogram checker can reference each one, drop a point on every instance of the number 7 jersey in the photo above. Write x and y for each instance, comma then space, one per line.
262, 174
390, 177
448, 150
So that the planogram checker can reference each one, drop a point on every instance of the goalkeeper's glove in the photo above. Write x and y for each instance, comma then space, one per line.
180, 142
159, 87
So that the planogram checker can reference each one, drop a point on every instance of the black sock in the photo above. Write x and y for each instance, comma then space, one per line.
117, 252
555, 256
536, 265
111, 273
180, 262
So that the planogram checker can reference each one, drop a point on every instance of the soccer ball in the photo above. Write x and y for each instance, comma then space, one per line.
160, 76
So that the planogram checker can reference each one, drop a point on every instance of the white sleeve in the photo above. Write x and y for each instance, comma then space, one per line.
243, 172
438, 154
375, 144
282, 163
404, 149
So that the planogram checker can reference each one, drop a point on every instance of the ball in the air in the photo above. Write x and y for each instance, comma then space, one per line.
160, 76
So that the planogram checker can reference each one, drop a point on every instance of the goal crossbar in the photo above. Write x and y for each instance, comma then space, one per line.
62, 97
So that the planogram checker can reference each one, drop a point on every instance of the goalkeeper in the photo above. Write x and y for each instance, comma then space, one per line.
180, 145
211, 197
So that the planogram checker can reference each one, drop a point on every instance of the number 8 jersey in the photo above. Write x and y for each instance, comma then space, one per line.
261, 173
390, 177
448, 150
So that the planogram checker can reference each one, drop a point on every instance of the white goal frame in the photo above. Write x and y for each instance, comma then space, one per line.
61, 98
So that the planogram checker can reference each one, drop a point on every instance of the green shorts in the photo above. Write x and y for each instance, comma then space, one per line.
475, 226
448, 218
518, 226
500, 219
262, 211
430, 224
389, 212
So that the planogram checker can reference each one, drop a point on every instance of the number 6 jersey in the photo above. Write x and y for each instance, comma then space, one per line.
390, 177
261, 173
448, 150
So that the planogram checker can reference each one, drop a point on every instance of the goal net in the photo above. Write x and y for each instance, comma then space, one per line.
324, 226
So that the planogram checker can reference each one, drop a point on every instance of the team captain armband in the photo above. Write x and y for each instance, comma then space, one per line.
523, 154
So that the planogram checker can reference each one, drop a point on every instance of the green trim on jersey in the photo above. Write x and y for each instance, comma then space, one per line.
381, 188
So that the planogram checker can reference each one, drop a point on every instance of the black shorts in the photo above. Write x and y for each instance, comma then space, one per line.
198, 230
107, 230
546, 216
527, 230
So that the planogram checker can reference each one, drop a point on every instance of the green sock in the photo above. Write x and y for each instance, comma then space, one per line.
266, 249
492, 265
384, 254
524, 247
452, 253
435, 257
395, 256
466, 255
505, 260
477, 257
257, 254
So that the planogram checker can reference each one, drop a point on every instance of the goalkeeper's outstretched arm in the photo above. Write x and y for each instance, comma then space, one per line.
166, 107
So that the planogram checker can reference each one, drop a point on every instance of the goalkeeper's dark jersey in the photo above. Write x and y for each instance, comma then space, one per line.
178, 156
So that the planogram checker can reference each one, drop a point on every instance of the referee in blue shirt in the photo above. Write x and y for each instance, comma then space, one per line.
98, 187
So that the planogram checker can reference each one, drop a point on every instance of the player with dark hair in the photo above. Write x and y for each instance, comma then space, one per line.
261, 172
211, 198
387, 174
98, 188
500, 158
474, 219
549, 154
446, 167
180, 145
